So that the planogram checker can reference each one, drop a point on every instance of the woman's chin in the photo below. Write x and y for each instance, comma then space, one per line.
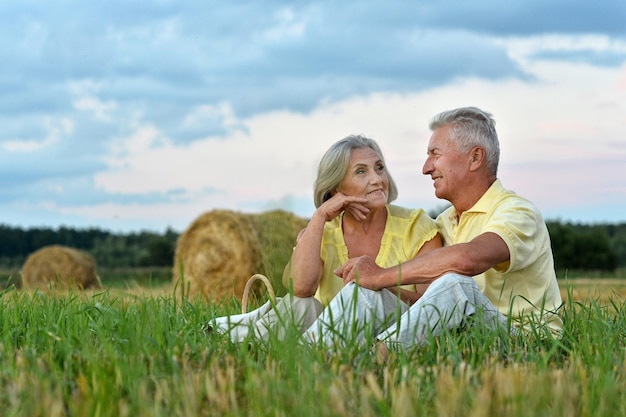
376, 203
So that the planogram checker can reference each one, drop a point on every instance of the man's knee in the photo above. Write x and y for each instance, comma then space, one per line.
450, 280
305, 306
352, 290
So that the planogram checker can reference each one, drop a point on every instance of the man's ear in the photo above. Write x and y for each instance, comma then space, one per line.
477, 157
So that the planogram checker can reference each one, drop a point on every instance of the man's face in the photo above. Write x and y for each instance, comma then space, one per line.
446, 165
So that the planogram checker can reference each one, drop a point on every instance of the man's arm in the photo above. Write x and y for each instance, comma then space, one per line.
472, 258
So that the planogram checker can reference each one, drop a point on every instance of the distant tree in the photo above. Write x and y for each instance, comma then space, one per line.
438, 210
617, 237
575, 246
581, 247
160, 252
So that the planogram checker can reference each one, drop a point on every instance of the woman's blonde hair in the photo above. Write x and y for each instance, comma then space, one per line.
335, 163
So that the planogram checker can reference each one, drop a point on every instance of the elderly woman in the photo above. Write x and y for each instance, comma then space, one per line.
353, 217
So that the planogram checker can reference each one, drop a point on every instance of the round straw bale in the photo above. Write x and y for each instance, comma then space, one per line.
277, 231
60, 267
216, 255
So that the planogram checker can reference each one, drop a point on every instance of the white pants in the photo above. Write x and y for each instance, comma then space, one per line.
357, 313
290, 312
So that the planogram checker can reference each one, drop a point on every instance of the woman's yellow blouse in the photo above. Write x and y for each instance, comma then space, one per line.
405, 233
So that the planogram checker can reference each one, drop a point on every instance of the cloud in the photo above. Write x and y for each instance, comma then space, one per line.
546, 115
598, 50
86, 100
111, 110
523, 18
166, 57
100, 109
55, 129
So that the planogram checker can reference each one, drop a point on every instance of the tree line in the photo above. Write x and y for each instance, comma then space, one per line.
110, 250
600, 247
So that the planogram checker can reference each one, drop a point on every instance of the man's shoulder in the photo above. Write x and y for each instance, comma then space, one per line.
498, 197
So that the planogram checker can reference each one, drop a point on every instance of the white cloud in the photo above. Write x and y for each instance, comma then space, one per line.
86, 99
100, 109
287, 26
556, 135
221, 114
126, 150
520, 48
190, 108
56, 130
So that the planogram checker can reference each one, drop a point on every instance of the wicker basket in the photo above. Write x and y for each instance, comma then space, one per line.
246, 290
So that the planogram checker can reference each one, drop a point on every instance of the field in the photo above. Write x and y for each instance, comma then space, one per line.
137, 350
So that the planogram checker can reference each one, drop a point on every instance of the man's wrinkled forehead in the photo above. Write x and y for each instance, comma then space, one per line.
440, 140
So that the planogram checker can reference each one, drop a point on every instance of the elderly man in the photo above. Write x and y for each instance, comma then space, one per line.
496, 265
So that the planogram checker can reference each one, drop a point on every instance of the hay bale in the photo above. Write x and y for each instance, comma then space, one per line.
277, 231
60, 267
216, 255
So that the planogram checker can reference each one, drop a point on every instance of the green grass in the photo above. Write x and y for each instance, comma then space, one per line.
148, 277
117, 354
145, 277
619, 273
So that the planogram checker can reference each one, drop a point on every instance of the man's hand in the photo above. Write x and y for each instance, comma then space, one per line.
362, 269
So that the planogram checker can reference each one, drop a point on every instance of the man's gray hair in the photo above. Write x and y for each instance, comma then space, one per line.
471, 126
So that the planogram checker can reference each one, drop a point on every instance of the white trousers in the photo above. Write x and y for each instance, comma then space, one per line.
357, 313
290, 312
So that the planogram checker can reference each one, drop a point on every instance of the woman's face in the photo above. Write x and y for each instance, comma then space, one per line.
366, 177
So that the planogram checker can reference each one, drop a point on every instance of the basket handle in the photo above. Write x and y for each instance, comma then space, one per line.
246, 290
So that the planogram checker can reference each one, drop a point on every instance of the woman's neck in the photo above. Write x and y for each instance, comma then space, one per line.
364, 237
374, 220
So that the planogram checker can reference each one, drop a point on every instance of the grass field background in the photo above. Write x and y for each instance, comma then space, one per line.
135, 349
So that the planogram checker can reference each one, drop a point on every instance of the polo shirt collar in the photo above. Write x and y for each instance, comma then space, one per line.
485, 202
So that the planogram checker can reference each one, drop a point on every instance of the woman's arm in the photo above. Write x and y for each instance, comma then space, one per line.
306, 267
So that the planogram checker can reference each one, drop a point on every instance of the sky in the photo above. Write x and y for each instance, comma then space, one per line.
142, 115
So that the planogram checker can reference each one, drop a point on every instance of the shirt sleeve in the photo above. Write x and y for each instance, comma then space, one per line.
517, 225
421, 229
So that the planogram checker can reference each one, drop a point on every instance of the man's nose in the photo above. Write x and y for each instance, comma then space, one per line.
427, 168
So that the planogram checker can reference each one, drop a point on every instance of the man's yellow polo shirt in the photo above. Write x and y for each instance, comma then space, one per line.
525, 286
